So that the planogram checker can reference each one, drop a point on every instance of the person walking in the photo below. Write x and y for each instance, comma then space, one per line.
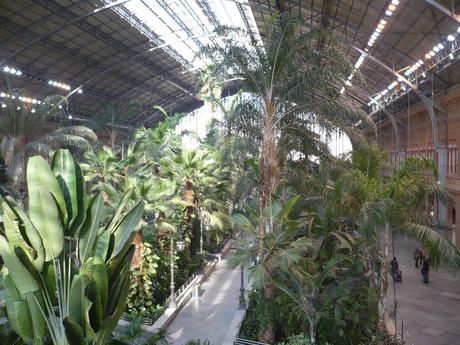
425, 270
417, 256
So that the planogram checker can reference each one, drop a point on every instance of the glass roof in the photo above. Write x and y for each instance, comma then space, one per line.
187, 25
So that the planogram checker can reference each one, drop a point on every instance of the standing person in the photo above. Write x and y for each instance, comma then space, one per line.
425, 270
417, 256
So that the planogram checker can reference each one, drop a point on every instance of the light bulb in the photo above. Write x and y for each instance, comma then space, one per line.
432, 53
440, 46
388, 13
80, 91
380, 26
32, 111
6, 69
451, 38
12, 71
50, 82
392, 7
427, 56
395, 2
451, 56
19, 73
70, 117
436, 49
2, 94
3, 105
420, 62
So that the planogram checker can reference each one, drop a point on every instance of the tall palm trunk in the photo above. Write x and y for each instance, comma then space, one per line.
267, 184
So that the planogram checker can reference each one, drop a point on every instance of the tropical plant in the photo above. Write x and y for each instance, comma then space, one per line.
110, 121
283, 250
141, 299
68, 273
26, 130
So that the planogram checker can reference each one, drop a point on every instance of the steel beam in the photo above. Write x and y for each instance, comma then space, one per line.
61, 11
444, 10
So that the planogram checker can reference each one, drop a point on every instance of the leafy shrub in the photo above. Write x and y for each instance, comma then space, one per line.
141, 294
298, 339
197, 342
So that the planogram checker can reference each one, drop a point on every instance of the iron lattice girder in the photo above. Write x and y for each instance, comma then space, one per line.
353, 27
208, 12
123, 50
179, 22
72, 53
428, 103
444, 10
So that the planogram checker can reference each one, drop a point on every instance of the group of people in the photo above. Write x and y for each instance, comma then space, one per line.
422, 261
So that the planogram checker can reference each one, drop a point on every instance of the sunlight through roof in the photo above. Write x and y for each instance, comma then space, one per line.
187, 24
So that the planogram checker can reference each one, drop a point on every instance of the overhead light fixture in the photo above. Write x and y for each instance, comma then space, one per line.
32, 111
440, 46
392, 7
70, 117
381, 26
458, 29
424, 75
370, 44
451, 56
378, 30
12, 70
3, 105
383, 22
2, 94
80, 91
6, 69
395, 2
451, 38
420, 62
436, 49
427, 56
432, 53
388, 13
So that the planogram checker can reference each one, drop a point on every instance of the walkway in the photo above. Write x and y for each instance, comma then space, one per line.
210, 316
431, 312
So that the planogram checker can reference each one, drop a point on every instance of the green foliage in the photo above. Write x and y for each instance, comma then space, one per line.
197, 342
62, 258
298, 339
141, 294
24, 134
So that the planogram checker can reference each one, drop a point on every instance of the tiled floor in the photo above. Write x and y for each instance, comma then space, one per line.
210, 316
431, 312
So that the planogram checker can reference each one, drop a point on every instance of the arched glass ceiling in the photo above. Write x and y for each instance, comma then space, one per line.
186, 25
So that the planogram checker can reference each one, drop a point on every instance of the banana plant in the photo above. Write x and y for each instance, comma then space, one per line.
67, 260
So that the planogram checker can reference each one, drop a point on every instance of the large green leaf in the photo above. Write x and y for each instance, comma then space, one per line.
22, 279
18, 314
96, 311
79, 303
12, 232
111, 321
120, 209
44, 215
97, 272
89, 228
122, 233
41, 177
28, 231
37, 318
63, 166
102, 244
73, 331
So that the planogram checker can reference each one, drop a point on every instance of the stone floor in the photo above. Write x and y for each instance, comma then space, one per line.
210, 316
431, 312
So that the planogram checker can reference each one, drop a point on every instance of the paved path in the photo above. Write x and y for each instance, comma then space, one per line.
431, 312
210, 316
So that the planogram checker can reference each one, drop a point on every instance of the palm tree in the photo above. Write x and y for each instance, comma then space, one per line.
371, 205
26, 130
294, 82
283, 251
110, 121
